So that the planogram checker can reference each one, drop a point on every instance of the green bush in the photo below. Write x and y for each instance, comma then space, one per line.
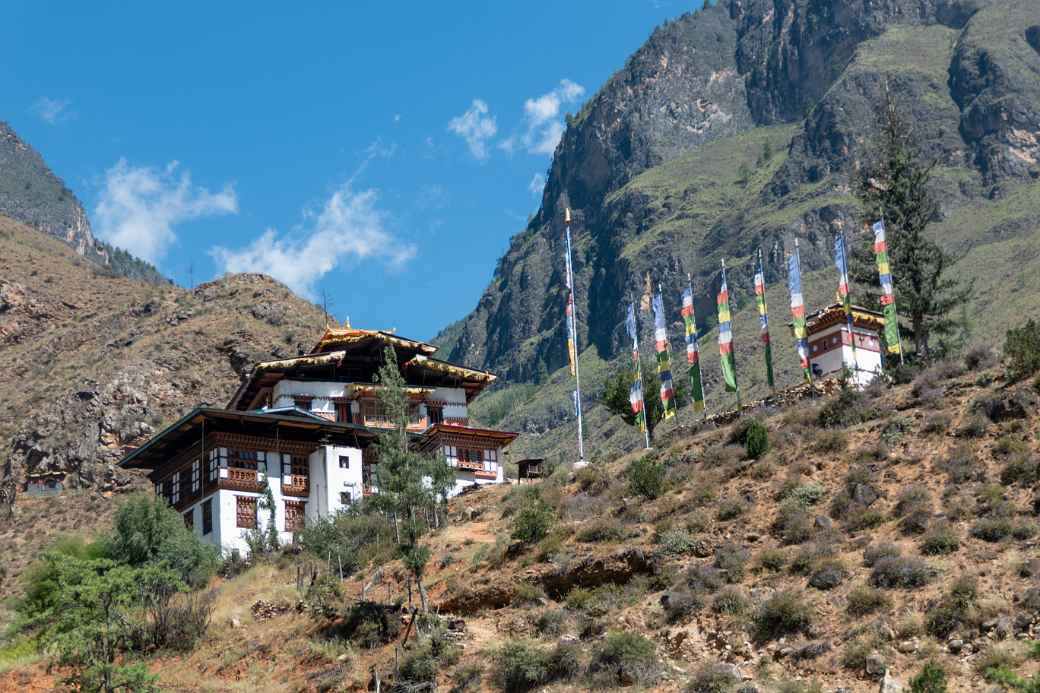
323, 596
467, 678
730, 600
147, 531
600, 530
954, 609
370, 625
992, 529
731, 509
829, 442
931, 679
772, 559
756, 439
864, 600
624, 658
730, 560
785, 613
941, 539
793, 525
675, 542
848, 408
680, 603
534, 519
1022, 350
521, 666
713, 678
551, 622
646, 477
903, 571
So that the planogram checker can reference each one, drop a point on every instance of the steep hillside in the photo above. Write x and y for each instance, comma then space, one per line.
876, 533
32, 194
94, 362
736, 127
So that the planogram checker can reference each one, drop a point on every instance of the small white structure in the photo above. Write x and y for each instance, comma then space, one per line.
832, 349
302, 429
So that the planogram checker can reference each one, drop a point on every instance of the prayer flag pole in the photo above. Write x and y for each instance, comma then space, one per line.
572, 341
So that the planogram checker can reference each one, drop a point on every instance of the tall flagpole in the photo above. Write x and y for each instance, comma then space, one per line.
573, 330
899, 337
808, 360
639, 373
847, 303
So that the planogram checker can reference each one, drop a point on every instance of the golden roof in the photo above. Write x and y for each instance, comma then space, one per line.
450, 368
306, 360
341, 336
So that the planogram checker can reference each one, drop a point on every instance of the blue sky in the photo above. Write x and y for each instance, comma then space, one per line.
383, 153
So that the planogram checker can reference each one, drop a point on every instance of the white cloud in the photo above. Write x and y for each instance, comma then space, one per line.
537, 185
476, 126
52, 111
348, 226
140, 206
542, 125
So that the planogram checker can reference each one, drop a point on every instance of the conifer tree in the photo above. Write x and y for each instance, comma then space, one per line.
411, 486
894, 184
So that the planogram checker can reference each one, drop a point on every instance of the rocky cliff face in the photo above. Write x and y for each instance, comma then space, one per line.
93, 363
736, 127
32, 194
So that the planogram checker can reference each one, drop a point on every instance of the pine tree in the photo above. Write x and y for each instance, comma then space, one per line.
894, 184
412, 486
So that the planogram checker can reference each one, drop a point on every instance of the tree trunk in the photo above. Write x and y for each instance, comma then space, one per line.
422, 596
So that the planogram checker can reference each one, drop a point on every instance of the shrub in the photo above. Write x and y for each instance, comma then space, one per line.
937, 422
875, 552
973, 426
848, 408
785, 613
323, 596
1021, 469
915, 523
624, 658
992, 529
864, 600
961, 465
931, 679
905, 572
809, 555
827, 575
772, 559
680, 603
730, 560
370, 624
954, 609
551, 621
675, 542
940, 540
593, 479
793, 524
646, 477
807, 494
911, 499
600, 530
148, 531
1022, 350
756, 439
534, 519
1024, 530
731, 508
979, 358
830, 442
713, 678
854, 655
730, 600
859, 518
467, 678
521, 666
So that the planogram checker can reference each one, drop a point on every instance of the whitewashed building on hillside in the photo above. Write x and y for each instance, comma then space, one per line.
304, 427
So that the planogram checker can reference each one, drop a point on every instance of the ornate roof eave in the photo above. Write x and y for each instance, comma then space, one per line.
470, 374
335, 336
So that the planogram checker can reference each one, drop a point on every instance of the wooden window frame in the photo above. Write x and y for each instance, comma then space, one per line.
245, 512
294, 515
207, 516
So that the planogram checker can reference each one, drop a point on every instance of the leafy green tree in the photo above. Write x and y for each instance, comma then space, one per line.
96, 617
412, 486
616, 392
895, 184
534, 518
1022, 350
148, 531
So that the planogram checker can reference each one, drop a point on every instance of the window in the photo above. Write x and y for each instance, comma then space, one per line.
242, 459
207, 516
343, 413
303, 403
295, 511
196, 476
345, 498
189, 519
245, 512
372, 410
214, 467
175, 492
185, 480
436, 413
344, 462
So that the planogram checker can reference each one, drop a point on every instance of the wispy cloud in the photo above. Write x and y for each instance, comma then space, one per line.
537, 185
140, 206
542, 125
348, 226
476, 126
52, 111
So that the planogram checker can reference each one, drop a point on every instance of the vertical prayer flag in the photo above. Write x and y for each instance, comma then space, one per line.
763, 318
648, 292
794, 284
888, 294
635, 393
572, 354
841, 261
693, 354
729, 366
664, 365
